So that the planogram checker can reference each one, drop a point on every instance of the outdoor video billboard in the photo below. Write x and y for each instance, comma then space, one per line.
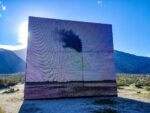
69, 59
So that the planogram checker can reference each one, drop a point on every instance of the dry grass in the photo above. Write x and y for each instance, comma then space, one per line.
11, 79
147, 88
1, 111
137, 79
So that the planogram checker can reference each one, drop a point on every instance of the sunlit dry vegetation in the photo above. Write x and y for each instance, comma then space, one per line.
137, 79
11, 79
1, 111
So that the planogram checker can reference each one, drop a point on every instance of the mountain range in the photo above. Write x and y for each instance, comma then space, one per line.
10, 62
14, 61
129, 63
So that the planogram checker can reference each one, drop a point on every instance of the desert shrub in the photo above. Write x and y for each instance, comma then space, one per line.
105, 102
106, 111
11, 79
121, 88
133, 85
147, 88
10, 90
137, 79
146, 83
138, 86
138, 92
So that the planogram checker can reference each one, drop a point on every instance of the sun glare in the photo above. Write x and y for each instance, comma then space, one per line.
23, 33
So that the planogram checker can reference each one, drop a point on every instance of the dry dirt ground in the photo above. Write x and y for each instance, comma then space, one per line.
128, 101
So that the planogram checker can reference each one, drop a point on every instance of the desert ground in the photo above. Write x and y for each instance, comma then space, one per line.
129, 100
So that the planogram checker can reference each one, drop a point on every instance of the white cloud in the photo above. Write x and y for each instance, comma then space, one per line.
99, 2
3, 7
12, 47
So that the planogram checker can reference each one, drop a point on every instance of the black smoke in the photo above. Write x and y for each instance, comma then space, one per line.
70, 40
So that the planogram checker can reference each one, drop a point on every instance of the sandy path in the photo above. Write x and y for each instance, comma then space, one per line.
12, 102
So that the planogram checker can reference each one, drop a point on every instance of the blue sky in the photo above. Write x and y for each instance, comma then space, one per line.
130, 19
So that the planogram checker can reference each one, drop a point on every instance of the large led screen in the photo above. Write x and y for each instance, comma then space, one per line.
66, 56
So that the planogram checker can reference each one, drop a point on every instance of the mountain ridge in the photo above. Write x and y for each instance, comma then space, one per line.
124, 62
10, 62
129, 63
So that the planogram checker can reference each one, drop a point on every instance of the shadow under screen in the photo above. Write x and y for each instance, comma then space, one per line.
82, 105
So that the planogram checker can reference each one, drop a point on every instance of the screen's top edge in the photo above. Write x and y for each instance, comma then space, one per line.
33, 17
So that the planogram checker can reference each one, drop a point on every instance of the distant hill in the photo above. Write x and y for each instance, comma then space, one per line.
21, 53
129, 63
14, 61
10, 62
